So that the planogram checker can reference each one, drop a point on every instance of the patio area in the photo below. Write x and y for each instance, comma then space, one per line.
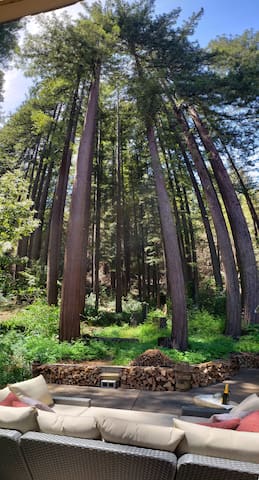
241, 385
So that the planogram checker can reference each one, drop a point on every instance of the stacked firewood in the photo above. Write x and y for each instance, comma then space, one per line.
152, 370
154, 358
204, 374
246, 359
70, 374
148, 378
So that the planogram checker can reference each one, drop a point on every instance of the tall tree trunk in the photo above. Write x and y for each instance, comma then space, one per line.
193, 256
126, 246
119, 286
97, 241
136, 242
73, 287
238, 224
186, 233
57, 212
233, 324
36, 237
175, 207
212, 247
245, 192
171, 247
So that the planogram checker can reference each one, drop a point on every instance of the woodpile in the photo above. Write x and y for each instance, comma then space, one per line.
152, 358
150, 371
69, 374
204, 374
246, 359
148, 378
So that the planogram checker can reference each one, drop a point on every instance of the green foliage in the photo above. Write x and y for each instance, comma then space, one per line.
16, 213
236, 59
32, 334
201, 322
37, 319
212, 300
12, 366
106, 317
250, 339
8, 39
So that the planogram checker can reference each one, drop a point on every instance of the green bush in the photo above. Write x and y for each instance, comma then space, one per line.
212, 300
37, 319
32, 334
201, 322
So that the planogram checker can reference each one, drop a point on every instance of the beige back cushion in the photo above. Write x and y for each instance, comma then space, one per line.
126, 432
22, 419
249, 404
3, 393
71, 410
82, 427
217, 442
151, 418
36, 388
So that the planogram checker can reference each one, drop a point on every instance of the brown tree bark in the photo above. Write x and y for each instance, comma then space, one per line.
119, 286
243, 243
245, 192
57, 212
36, 237
97, 232
171, 247
73, 287
212, 247
233, 324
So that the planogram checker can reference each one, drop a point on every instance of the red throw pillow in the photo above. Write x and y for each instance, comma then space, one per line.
231, 424
8, 401
250, 423
18, 403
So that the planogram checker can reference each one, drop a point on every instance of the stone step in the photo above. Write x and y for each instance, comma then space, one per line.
110, 376
112, 369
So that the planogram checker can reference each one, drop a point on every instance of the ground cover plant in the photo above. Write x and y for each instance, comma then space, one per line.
31, 334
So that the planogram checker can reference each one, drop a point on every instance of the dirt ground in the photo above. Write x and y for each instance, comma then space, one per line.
6, 313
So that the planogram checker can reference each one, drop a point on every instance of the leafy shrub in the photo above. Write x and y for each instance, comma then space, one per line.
203, 323
49, 350
248, 343
37, 319
212, 300
32, 334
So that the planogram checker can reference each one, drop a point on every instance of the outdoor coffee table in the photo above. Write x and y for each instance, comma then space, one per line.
212, 401
206, 406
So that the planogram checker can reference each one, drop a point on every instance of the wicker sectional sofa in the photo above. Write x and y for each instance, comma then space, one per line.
74, 441
40, 456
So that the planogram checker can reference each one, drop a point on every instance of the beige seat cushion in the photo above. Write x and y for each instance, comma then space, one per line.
36, 388
3, 393
216, 442
71, 410
126, 432
82, 427
22, 419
